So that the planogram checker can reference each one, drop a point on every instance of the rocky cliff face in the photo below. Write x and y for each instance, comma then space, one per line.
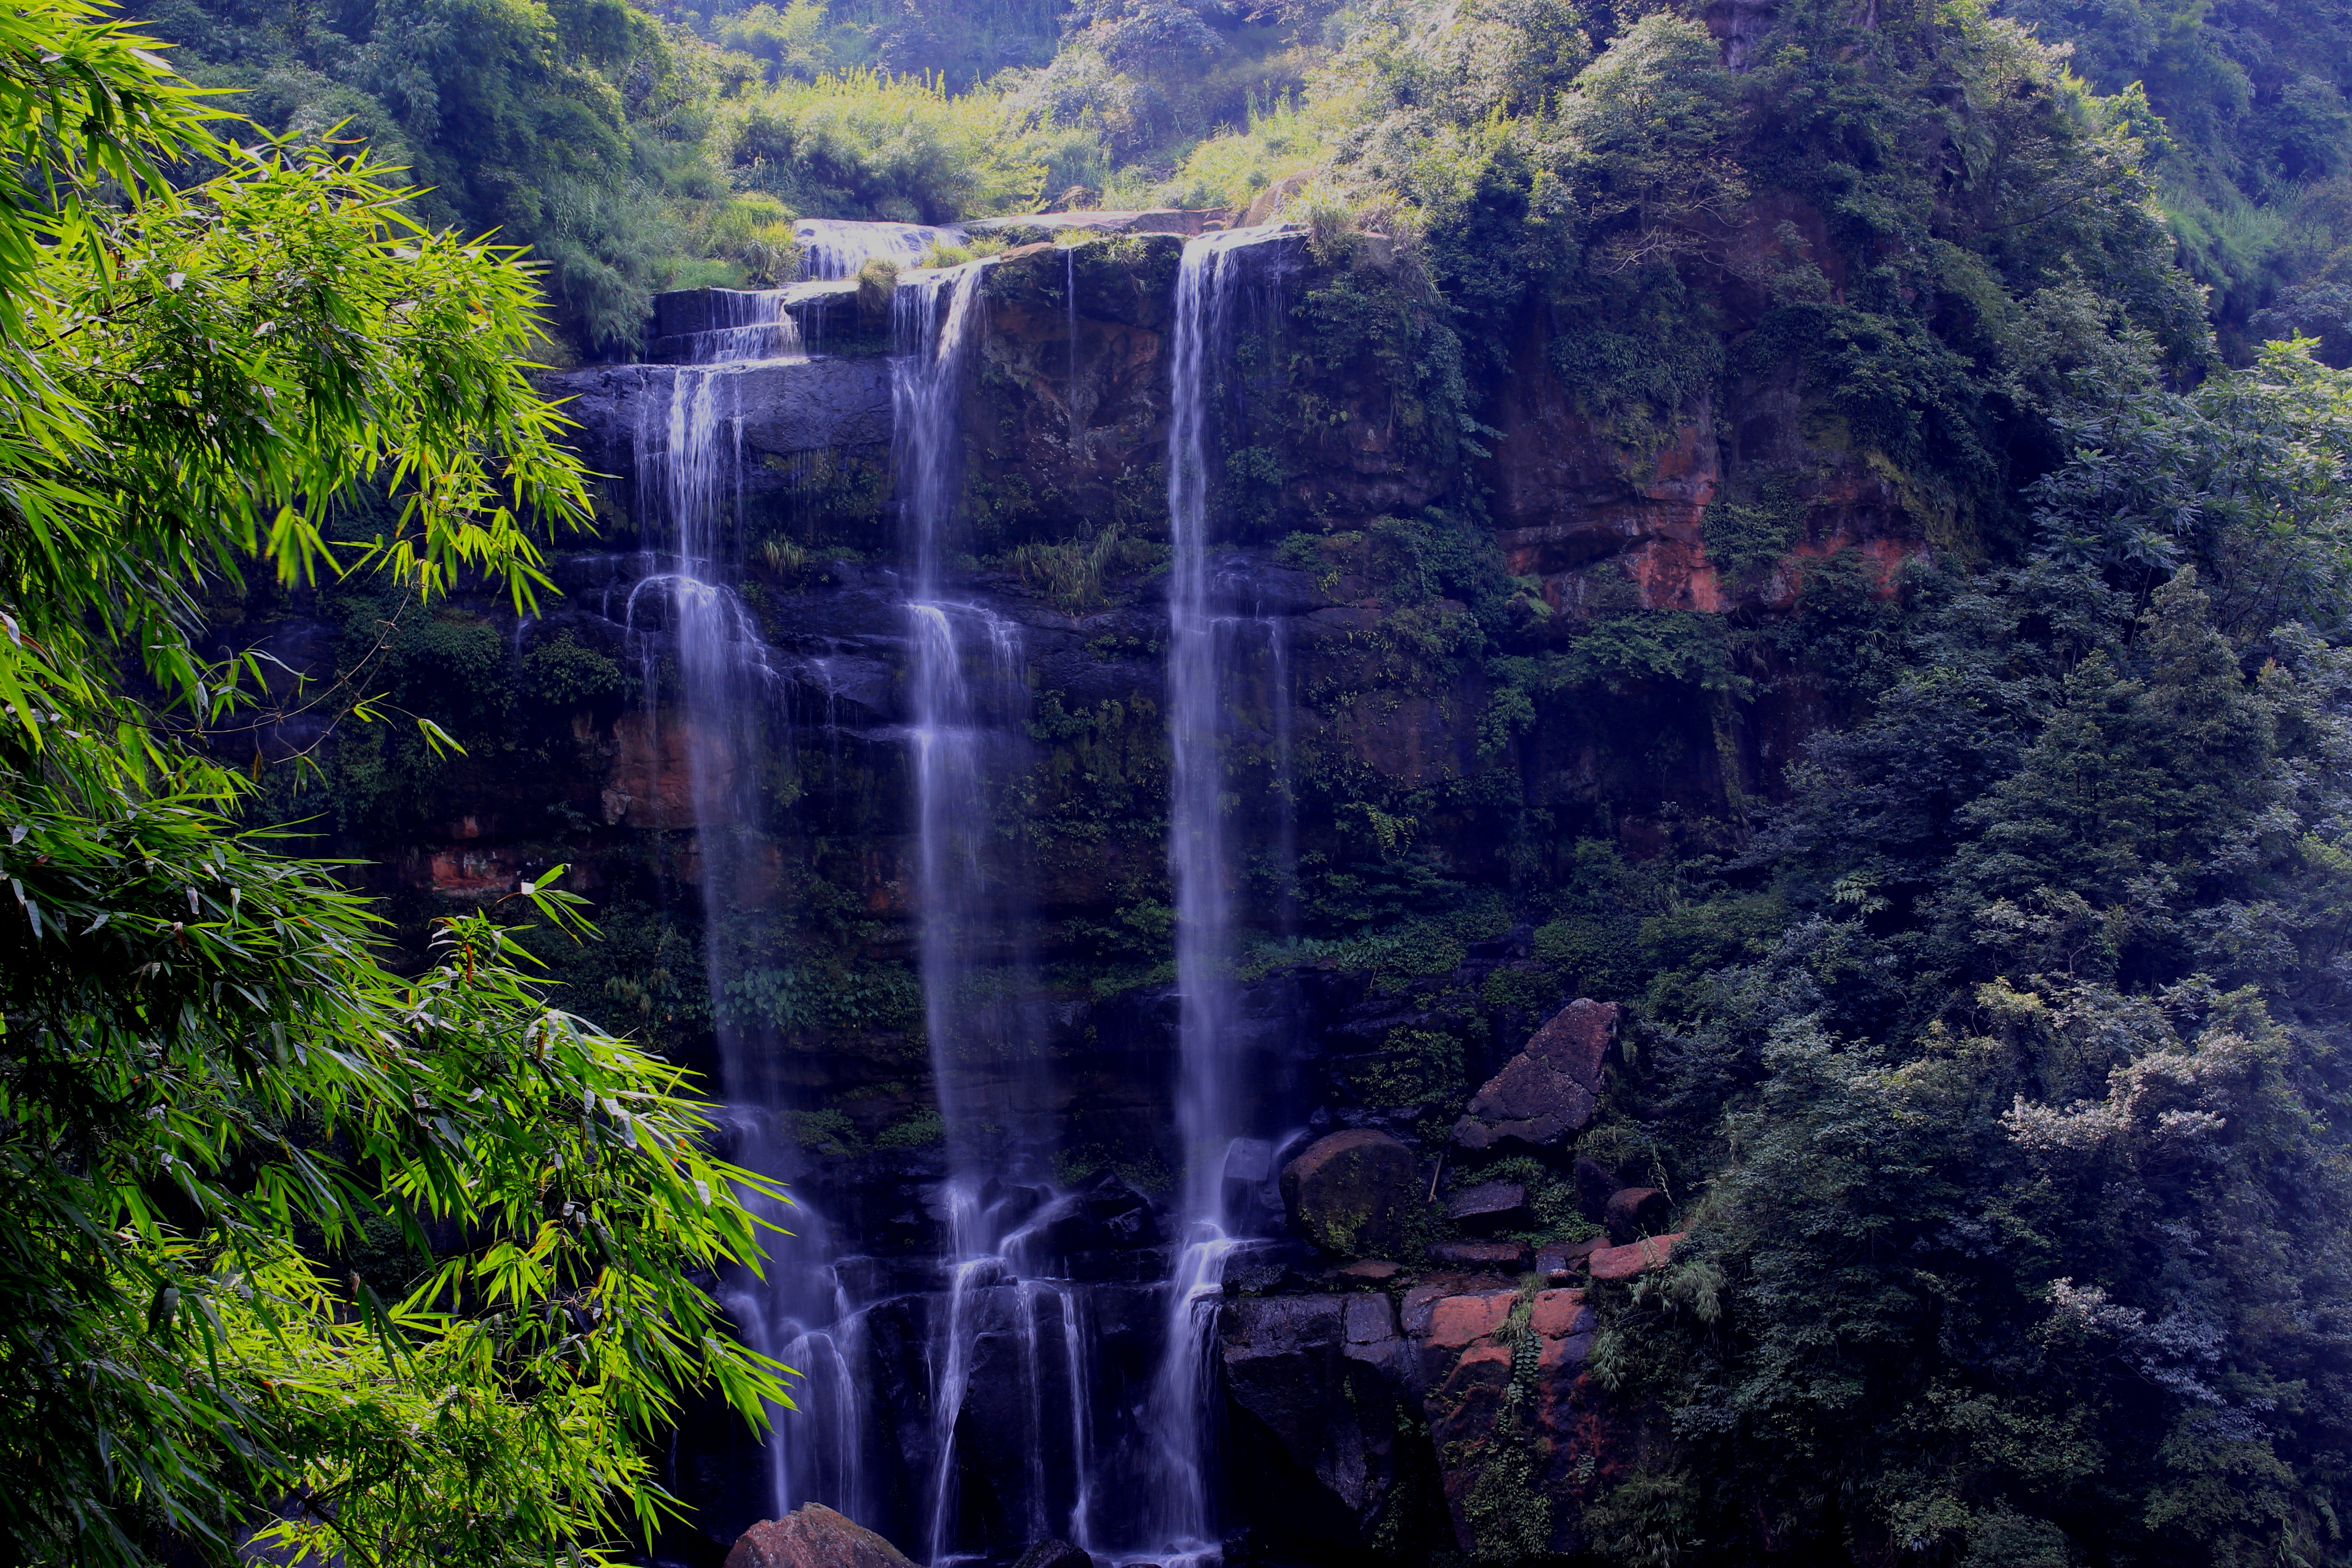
1379, 1400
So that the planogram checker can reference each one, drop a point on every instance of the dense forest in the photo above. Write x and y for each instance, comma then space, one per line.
1830, 526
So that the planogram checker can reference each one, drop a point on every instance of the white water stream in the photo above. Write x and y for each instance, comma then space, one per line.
1209, 1112
969, 704
1009, 1344
837, 247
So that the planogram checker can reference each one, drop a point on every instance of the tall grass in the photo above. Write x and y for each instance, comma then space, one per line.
1232, 168
863, 144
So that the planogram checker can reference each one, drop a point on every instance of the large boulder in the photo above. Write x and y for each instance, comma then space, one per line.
1314, 1383
813, 1536
1353, 1192
1634, 1213
1548, 1091
1052, 1553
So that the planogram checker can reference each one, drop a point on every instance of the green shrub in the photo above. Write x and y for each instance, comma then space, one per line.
866, 145
918, 1130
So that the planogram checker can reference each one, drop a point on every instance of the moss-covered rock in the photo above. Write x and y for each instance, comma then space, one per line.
1354, 1193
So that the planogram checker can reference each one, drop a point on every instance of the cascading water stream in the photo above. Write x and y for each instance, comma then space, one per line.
836, 247
746, 326
969, 701
1011, 1427
1208, 1113
688, 465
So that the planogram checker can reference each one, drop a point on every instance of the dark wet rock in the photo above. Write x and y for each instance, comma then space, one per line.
1547, 1090
1054, 1554
1370, 1318
1115, 1266
1397, 1121
1253, 1278
1558, 1260
869, 1279
1313, 1423
1253, 1189
1262, 587
1104, 1216
1353, 1192
1506, 1257
1030, 227
813, 1536
1262, 1267
1371, 1270
1018, 1358
787, 407
1636, 1212
1489, 1207
1596, 1183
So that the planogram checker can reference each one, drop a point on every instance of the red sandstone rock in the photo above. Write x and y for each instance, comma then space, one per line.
1457, 1321
1624, 1262
1563, 1327
1555, 1313
1413, 1312
812, 1536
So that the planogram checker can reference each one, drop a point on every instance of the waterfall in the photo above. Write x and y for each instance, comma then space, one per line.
969, 701
1208, 1113
836, 247
689, 465
1000, 1389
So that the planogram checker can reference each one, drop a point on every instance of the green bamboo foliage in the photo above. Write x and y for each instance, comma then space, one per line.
214, 1092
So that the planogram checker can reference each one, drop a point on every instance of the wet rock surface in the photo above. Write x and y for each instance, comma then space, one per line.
1054, 1554
785, 409
813, 1536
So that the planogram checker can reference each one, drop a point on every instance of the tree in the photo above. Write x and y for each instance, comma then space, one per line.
214, 1089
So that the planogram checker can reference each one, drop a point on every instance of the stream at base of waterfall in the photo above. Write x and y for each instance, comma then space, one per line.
1122, 1467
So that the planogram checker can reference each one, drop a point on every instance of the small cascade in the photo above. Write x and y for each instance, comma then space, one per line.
836, 247
747, 326
1210, 1121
